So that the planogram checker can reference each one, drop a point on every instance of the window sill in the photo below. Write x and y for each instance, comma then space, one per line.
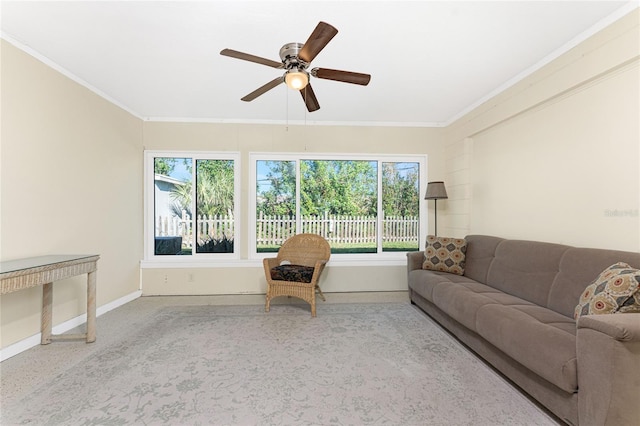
257, 263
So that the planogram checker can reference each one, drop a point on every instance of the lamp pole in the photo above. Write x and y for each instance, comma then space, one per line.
436, 191
435, 216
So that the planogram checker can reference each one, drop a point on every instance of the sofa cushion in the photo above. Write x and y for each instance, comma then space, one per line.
538, 338
616, 289
578, 268
526, 269
481, 250
445, 254
423, 282
295, 273
461, 301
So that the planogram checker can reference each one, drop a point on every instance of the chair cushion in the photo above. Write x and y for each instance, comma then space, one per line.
295, 273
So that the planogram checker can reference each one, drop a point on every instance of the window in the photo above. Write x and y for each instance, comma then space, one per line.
401, 206
191, 204
360, 205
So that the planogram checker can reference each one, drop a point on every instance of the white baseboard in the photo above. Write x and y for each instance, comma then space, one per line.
34, 340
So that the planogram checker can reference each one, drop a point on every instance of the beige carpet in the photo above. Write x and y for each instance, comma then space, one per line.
172, 363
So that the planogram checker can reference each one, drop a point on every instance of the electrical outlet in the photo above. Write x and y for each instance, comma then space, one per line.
191, 277
166, 278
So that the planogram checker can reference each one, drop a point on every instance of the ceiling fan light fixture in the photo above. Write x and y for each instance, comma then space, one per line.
296, 79
295, 60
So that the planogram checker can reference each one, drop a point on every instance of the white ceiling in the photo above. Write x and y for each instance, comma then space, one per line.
430, 61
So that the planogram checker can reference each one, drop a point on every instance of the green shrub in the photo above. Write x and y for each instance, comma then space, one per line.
215, 245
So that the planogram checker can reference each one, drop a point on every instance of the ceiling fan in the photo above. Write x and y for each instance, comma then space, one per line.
295, 59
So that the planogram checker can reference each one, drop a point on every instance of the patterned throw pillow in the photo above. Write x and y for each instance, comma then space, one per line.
617, 289
445, 254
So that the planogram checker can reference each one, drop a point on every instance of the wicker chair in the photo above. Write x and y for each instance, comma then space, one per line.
300, 258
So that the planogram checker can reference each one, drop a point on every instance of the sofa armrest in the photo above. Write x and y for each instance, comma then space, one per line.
623, 327
414, 260
608, 352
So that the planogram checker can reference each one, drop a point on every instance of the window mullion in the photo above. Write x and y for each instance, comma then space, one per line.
380, 214
298, 198
194, 212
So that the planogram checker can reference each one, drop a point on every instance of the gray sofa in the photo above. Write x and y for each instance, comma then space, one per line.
514, 307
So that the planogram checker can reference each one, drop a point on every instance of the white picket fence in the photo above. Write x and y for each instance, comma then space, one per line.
338, 229
274, 230
216, 227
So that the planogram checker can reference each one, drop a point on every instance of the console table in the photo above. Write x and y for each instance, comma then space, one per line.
44, 270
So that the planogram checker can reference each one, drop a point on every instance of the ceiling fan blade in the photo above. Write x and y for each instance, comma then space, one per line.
309, 98
317, 41
344, 76
263, 89
251, 58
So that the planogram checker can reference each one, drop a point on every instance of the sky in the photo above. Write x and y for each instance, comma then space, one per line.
180, 172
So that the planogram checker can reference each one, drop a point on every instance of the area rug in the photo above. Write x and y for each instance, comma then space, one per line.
355, 364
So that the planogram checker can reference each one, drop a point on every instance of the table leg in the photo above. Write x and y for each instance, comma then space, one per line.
47, 313
91, 307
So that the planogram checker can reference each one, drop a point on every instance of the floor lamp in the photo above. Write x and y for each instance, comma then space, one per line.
436, 191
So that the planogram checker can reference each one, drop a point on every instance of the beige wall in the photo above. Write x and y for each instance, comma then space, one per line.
71, 182
245, 138
555, 158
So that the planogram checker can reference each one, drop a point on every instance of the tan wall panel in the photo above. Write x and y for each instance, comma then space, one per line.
554, 157
251, 280
71, 182
559, 173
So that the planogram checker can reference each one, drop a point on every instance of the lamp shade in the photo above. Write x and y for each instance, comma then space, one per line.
296, 79
436, 191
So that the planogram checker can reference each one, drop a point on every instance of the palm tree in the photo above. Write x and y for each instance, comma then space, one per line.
214, 192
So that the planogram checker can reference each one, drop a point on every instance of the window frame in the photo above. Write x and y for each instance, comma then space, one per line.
346, 258
149, 207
